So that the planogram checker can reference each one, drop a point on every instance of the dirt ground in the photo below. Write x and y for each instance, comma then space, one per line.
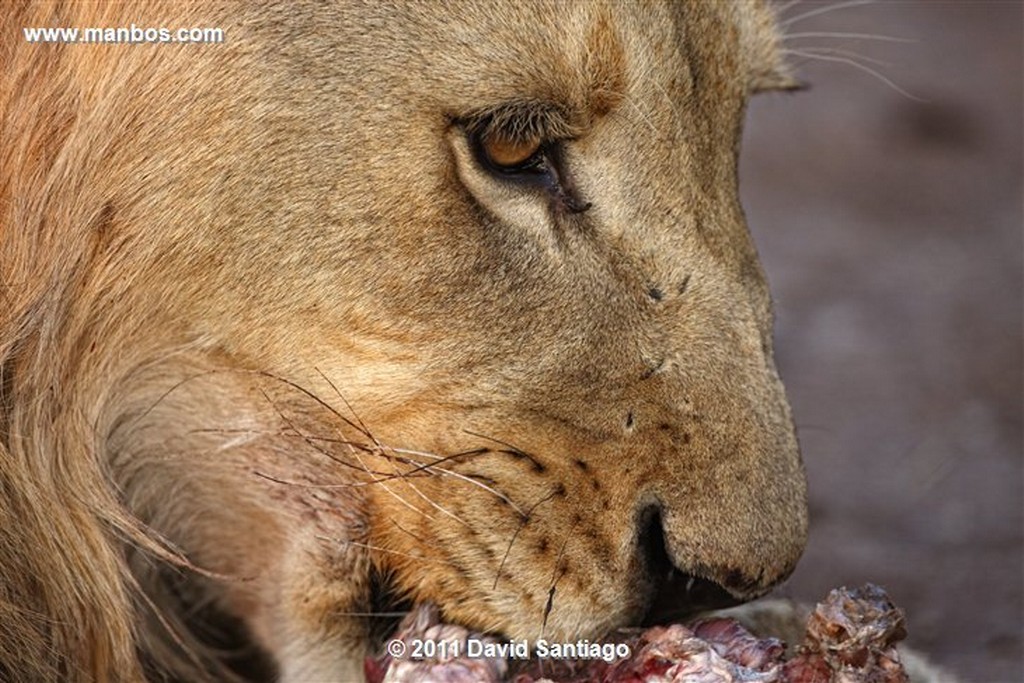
890, 226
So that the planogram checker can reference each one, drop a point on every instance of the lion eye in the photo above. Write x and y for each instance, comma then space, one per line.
512, 156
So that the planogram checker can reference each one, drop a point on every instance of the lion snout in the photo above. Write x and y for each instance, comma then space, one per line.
691, 570
673, 592
712, 552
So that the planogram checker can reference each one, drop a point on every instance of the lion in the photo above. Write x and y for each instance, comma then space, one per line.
376, 304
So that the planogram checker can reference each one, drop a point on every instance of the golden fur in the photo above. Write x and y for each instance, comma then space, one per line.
275, 346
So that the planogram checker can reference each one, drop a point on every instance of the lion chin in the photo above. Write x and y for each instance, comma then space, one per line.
371, 305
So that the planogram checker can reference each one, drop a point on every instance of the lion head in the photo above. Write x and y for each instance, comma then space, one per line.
375, 303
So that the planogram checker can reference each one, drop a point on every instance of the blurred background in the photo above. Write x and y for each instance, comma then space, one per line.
890, 226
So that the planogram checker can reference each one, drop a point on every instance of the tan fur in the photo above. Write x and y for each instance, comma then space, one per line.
270, 337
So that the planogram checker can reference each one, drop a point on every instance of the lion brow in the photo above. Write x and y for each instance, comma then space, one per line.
523, 119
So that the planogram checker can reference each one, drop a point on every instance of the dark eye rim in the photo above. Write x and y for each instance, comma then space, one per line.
537, 166
544, 171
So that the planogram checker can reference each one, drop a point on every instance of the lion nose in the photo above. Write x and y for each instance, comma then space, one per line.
675, 593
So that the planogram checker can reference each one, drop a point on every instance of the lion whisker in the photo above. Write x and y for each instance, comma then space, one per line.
377, 548
438, 506
319, 487
557, 573
310, 442
398, 475
372, 615
806, 53
442, 458
288, 482
293, 433
789, 21
405, 531
513, 450
524, 520
642, 114
322, 403
160, 399
431, 468
849, 36
344, 400
435, 467
857, 65
668, 98
381, 449
782, 7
